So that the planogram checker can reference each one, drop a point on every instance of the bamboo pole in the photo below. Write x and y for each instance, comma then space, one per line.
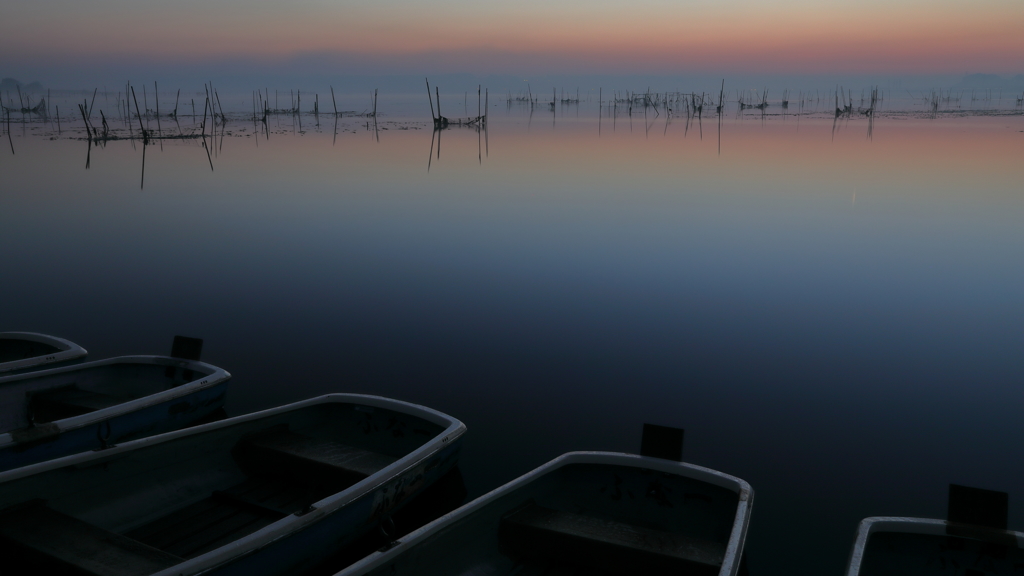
156, 95
145, 137
430, 99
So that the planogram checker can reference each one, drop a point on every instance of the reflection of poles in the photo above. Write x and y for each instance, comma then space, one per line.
208, 157
430, 156
9, 131
203, 134
721, 107
142, 183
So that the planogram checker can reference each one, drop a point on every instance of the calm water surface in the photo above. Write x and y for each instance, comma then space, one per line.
833, 316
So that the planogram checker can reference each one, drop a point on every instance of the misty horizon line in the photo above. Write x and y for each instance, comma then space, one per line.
413, 83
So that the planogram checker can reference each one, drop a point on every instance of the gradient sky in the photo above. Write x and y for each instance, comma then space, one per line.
525, 36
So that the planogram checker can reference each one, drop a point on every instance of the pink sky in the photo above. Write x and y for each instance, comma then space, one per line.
652, 36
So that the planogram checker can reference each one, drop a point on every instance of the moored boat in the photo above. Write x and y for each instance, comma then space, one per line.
51, 413
266, 493
584, 512
24, 351
973, 541
889, 545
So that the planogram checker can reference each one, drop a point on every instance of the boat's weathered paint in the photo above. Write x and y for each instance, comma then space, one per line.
66, 353
157, 413
941, 530
387, 561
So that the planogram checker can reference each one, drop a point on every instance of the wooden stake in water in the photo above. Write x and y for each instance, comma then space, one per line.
145, 137
202, 129
85, 121
222, 116
156, 94
430, 98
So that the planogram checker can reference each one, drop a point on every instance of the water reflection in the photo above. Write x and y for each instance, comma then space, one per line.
826, 314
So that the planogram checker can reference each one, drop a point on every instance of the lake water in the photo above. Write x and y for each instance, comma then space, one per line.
833, 311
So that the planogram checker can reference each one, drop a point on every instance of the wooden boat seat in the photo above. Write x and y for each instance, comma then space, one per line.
280, 452
65, 541
533, 532
68, 401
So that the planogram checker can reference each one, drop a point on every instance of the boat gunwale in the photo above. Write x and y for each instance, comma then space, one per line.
68, 351
734, 547
453, 430
213, 377
908, 525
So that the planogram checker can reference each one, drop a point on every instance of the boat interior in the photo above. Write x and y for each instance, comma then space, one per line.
900, 553
36, 398
585, 519
140, 511
12, 349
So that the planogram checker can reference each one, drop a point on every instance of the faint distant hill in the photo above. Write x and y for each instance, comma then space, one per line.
990, 82
10, 84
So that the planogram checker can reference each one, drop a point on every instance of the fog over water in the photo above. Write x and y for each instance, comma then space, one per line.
831, 309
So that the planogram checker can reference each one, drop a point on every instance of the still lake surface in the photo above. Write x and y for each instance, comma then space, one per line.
833, 312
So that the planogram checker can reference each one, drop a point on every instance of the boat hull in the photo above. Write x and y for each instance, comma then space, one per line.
891, 546
22, 352
155, 394
167, 416
265, 493
584, 511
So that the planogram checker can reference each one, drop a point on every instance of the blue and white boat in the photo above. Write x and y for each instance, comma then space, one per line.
972, 541
24, 351
51, 413
899, 546
584, 512
271, 492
